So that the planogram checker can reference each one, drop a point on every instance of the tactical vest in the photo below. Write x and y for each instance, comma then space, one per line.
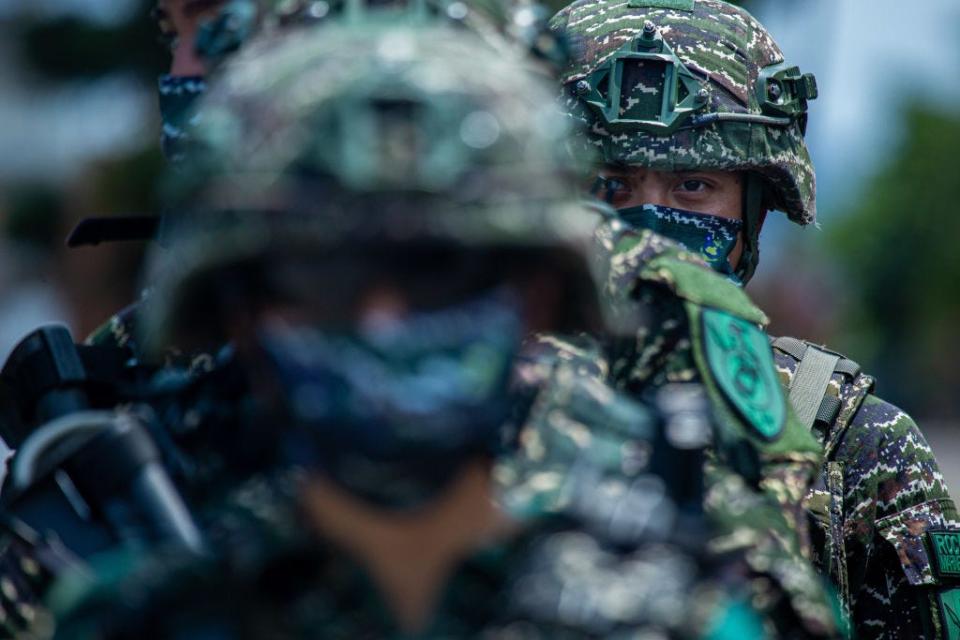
826, 389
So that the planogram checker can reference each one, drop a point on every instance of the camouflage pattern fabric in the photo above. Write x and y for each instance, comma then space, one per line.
505, 24
575, 577
726, 47
748, 529
25, 572
520, 197
714, 236
766, 483
119, 331
879, 494
595, 552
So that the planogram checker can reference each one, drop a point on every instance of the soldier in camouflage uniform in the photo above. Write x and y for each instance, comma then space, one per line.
406, 182
196, 34
180, 24
697, 124
201, 34
746, 459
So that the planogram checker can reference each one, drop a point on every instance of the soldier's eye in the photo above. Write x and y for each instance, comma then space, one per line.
167, 32
693, 186
611, 190
201, 8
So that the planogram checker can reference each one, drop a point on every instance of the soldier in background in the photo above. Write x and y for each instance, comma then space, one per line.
697, 122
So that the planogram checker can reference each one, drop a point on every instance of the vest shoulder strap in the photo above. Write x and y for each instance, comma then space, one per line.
809, 384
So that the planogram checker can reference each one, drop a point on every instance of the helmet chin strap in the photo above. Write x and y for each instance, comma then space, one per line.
753, 196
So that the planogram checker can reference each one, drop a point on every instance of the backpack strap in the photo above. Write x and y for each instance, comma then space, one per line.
808, 386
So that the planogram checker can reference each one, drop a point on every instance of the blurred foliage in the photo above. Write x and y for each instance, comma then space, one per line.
33, 214
899, 249
127, 184
69, 48
94, 281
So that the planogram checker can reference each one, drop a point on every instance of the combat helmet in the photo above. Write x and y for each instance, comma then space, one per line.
501, 23
516, 27
332, 161
692, 84
369, 132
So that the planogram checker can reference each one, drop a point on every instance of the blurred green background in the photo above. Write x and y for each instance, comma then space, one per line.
879, 280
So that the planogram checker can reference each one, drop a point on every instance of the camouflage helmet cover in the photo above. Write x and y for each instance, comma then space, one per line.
501, 23
350, 133
732, 72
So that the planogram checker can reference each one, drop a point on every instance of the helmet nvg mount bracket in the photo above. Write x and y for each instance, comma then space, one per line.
675, 95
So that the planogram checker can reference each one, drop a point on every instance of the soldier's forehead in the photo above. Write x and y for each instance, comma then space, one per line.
190, 6
621, 168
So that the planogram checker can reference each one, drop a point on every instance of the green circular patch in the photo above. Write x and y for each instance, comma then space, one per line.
741, 361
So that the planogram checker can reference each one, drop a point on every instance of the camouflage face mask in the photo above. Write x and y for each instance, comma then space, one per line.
391, 412
713, 237
178, 97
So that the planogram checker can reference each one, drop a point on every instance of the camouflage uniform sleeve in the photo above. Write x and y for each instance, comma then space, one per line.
576, 454
672, 288
121, 331
118, 331
894, 498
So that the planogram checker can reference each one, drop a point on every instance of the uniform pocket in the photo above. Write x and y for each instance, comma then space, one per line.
907, 532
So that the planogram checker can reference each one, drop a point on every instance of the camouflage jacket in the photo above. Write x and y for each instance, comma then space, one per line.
753, 488
119, 330
666, 294
879, 501
878, 506
598, 550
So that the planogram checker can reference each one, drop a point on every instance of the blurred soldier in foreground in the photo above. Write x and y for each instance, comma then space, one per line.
377, 222
202, 34
759, 455
748, 466
377, 219
698, 122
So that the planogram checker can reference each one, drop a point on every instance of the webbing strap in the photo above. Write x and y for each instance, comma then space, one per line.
796, 348
848, 367
810, 382
829, 408
790, 346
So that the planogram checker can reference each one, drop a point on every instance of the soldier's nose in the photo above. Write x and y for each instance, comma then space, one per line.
186, 61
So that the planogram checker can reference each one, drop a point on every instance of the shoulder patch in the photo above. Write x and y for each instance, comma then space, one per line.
679, 5
950, 606
703, 286
946, 551
739, 356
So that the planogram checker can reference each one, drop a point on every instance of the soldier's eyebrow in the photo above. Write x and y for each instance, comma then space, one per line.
691, 172
614, 170
194, 8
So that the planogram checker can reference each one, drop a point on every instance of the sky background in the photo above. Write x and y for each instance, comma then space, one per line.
871, 58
